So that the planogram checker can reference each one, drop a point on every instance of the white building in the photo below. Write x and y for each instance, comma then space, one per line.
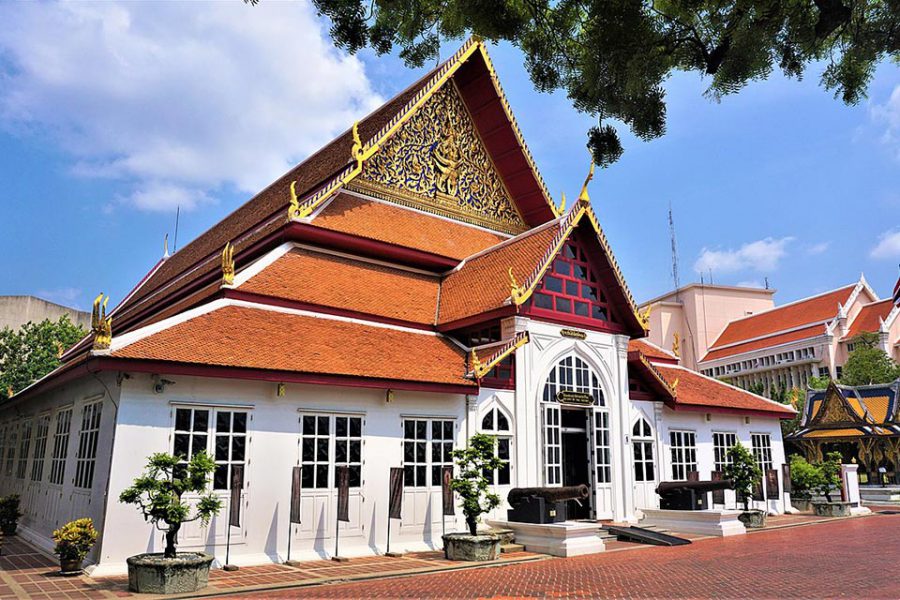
407, 286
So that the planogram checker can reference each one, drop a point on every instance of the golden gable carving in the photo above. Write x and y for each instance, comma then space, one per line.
437, 162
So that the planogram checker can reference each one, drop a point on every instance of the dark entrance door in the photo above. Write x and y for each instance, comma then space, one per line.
575, 457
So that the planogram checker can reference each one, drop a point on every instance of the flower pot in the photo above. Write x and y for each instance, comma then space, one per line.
753, 519
464, 546
831, 509
70, 566
156, 574
9, 528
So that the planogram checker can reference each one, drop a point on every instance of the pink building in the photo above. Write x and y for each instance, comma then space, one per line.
738, 333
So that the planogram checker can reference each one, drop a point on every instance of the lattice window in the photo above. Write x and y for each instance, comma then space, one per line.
602, 456
88, 436
230, 447
722, 443
496, 424
327, 442
572, 287
11, 444
552, 445
24, 448
315, 451
642, 443
41, 432
60, 446
348, 447
762, 450
684, 453
418, 435
574, 375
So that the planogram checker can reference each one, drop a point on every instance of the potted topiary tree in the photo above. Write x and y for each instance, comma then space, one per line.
73, 542
830, 479
473, 487
805, 479
744, 471
157, 493
9, 514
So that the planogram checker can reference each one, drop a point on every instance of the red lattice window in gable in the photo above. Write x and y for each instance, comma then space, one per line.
503, 375
571, 287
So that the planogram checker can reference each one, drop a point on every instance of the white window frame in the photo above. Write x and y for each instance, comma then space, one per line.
437, 451
728, 440
602, 450
12, 443
644, 462
572, 373
88, 442
24, 449
684, 454
204, 439
62, 436
315, 465
762, 452
39, 458
504, 443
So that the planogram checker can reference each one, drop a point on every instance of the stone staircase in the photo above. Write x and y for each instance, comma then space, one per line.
507, 540
880, 495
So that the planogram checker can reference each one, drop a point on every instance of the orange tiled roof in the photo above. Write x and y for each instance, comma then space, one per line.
867, 320
651, 351
694, 389
257, 338
783, 338
812, 310
328, 280
482, 283
412, 229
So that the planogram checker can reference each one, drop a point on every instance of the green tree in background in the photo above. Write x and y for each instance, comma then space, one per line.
868, 363
613, 57
31, 352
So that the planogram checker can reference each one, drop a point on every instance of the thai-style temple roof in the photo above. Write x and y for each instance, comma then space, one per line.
846, 412
872, 318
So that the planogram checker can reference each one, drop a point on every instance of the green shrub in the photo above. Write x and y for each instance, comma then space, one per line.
806, 478
743, 472
473, 487
75, 539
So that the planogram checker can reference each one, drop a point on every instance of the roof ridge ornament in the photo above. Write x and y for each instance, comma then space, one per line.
228, 264
166, 247
516, 291
643, 316
101, 325
583, 196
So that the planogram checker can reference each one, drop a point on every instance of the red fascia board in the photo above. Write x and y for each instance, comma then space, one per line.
187, 369
727, 410
238, 294
492, 315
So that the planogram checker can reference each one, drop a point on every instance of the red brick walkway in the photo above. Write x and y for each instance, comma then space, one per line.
850, 558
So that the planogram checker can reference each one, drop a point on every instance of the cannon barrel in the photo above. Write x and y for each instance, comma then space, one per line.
697, 486
549, 494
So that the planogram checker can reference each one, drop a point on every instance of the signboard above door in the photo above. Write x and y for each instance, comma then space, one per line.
574, 398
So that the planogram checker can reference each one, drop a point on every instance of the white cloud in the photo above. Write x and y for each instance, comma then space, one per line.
177, 99
816, 249
753, 283
887, 115
888, 245
761, 255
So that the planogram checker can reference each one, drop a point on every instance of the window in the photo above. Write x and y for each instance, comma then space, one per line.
722, 442
11, 443
572, 287
315, 452
762, 450
41, 431
601, 446
348, 447
230, 446
552, 444
495, 423
327, 442
24, 448
418, 434
574, 375
60, 446
87, 445
684, 454
644, 467
503, 373
220, 433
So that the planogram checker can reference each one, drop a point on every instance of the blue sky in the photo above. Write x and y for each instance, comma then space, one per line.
141, 108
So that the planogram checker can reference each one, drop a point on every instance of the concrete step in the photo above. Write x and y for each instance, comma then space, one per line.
507, 548
507, 536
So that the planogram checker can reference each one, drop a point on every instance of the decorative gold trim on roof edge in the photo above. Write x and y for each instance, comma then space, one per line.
655, 372
101, 325
480, 369
566, 226
228, 264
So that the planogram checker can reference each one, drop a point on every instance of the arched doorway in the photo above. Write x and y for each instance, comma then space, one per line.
576, 437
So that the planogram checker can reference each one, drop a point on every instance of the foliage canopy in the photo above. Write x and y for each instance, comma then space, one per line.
472, 485
868, 363
613, 57
31, 352
743, 472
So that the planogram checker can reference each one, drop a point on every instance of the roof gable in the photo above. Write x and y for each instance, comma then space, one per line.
870, 318
835, 410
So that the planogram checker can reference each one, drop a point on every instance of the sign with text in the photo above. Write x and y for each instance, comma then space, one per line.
447, 493
573, 333
237, 485
396, 495
343, 491
575, 398
296, 474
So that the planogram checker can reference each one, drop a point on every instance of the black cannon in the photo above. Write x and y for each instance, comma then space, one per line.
688, 495
543, 504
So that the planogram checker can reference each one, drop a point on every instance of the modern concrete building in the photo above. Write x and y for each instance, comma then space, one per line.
15, 311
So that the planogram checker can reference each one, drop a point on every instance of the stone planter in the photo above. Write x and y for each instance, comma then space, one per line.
801, 505
70, 566
155, 574
753, 519
463, 546
831, 509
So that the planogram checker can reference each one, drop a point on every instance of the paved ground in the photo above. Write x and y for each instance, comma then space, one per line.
851, 558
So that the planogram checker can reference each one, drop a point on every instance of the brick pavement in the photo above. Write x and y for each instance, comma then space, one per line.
849, 558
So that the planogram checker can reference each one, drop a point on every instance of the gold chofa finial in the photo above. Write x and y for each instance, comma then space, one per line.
357, 150
515, 290
675, 384
477, 367
561, 209
166, 246
228, 264
676, 344
295, 211
584, 191
101, 325
643, 316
